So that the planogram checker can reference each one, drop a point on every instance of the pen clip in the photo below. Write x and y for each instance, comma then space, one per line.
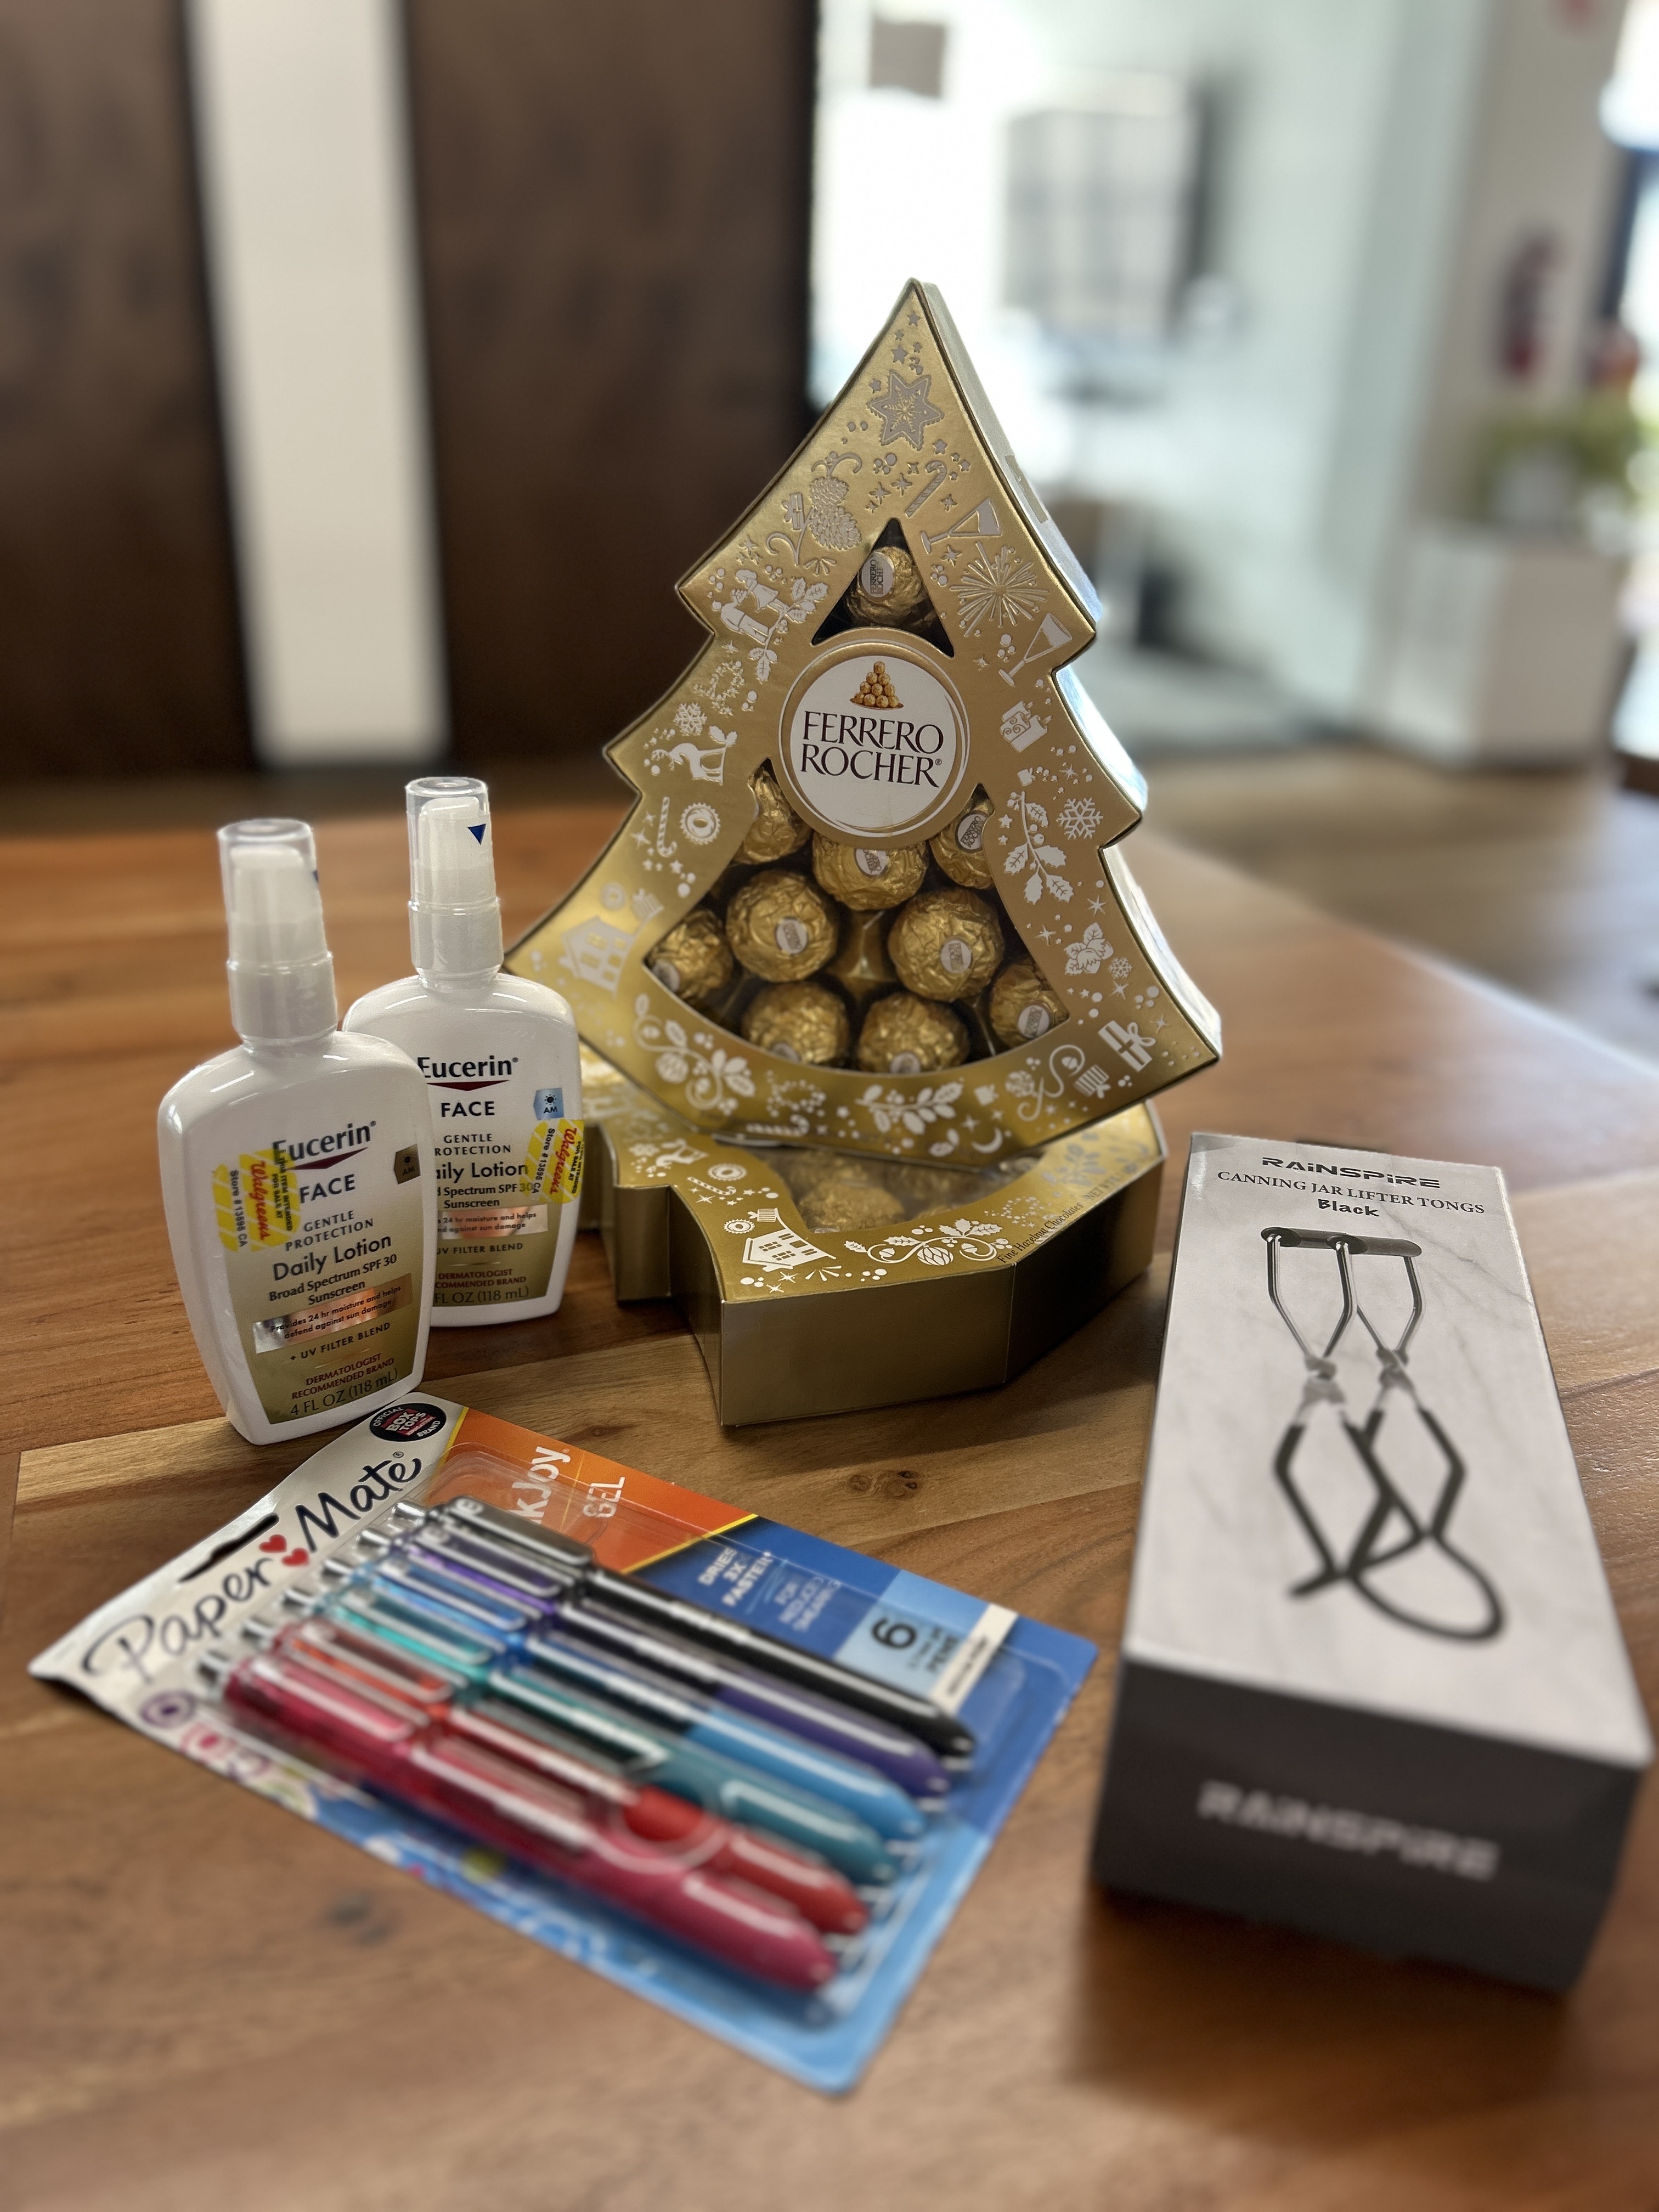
524, 1534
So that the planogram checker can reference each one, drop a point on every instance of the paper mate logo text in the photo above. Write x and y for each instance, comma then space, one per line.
874, 743
209, 1600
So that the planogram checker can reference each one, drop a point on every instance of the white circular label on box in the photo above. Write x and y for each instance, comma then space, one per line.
791, 934
874, 743
971, 833
1033, 1021
956, 956
870, 862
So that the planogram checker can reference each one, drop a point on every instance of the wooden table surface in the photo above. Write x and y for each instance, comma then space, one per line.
207, 2003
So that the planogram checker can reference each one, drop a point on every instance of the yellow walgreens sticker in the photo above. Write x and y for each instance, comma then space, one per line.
256, 1200
553, 1164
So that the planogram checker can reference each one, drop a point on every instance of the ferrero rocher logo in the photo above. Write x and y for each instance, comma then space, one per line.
873, 744
877, 690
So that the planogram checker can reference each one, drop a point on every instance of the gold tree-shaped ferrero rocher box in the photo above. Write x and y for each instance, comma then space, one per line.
870, 896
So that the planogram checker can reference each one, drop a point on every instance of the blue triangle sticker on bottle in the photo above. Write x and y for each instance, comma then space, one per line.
477, 830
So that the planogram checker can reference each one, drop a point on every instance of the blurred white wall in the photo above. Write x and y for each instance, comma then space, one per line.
303, 157
1370, 164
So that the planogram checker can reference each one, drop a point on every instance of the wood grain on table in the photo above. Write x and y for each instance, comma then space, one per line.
207, 2002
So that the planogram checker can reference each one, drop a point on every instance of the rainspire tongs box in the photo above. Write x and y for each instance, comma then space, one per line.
1372, 1684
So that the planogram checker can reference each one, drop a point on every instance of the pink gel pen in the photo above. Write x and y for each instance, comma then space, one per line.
389, 1745
609, 1793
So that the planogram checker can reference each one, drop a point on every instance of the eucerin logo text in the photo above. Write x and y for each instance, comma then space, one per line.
295, 1151
1437, 1850
466, 1074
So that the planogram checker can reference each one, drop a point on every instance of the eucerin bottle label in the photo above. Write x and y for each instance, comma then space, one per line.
507, 1159
322, 1232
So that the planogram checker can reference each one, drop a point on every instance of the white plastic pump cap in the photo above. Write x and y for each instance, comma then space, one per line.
454, 915
282, 975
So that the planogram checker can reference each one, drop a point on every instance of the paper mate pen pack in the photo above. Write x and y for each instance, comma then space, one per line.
744, 1773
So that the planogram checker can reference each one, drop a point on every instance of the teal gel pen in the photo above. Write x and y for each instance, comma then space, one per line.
663, 1703
702, 1776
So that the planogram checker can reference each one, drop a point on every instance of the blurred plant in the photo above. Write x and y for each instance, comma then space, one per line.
1535, 467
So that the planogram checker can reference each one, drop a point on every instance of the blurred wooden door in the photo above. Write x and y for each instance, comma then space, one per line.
613, 208
614, 213
119, 646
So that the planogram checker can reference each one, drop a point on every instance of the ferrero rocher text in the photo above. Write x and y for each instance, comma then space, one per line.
866, 878
798, 1021
1023, 1006
781, 927
694, 960
907, 1035
945, 944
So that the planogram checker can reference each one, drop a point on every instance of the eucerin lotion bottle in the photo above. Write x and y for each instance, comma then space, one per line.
502, 1066
297, 1172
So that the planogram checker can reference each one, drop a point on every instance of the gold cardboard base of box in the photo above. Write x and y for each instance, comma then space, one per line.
933, 1279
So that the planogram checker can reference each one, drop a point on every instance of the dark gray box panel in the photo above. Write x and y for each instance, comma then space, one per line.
1402, 1837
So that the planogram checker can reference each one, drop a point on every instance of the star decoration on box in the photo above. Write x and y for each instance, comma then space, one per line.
905, 411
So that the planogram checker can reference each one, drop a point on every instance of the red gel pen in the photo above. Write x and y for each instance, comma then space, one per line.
696, 1838
390, 1744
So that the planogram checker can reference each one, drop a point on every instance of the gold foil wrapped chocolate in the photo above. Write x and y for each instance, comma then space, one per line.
1023, 1006
861, 965
888, 589
960, 850
906, 1035
864, 876
693, 959
776, 831
945, 944
798, 1021
781, 927
849, 1202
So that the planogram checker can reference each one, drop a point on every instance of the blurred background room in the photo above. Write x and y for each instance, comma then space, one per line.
369, 373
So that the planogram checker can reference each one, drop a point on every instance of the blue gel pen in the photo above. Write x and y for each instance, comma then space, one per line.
481, 1562
703, 1777
708, 1626
665, 1705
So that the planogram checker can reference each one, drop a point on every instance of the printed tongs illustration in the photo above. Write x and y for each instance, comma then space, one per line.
1401, 1558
